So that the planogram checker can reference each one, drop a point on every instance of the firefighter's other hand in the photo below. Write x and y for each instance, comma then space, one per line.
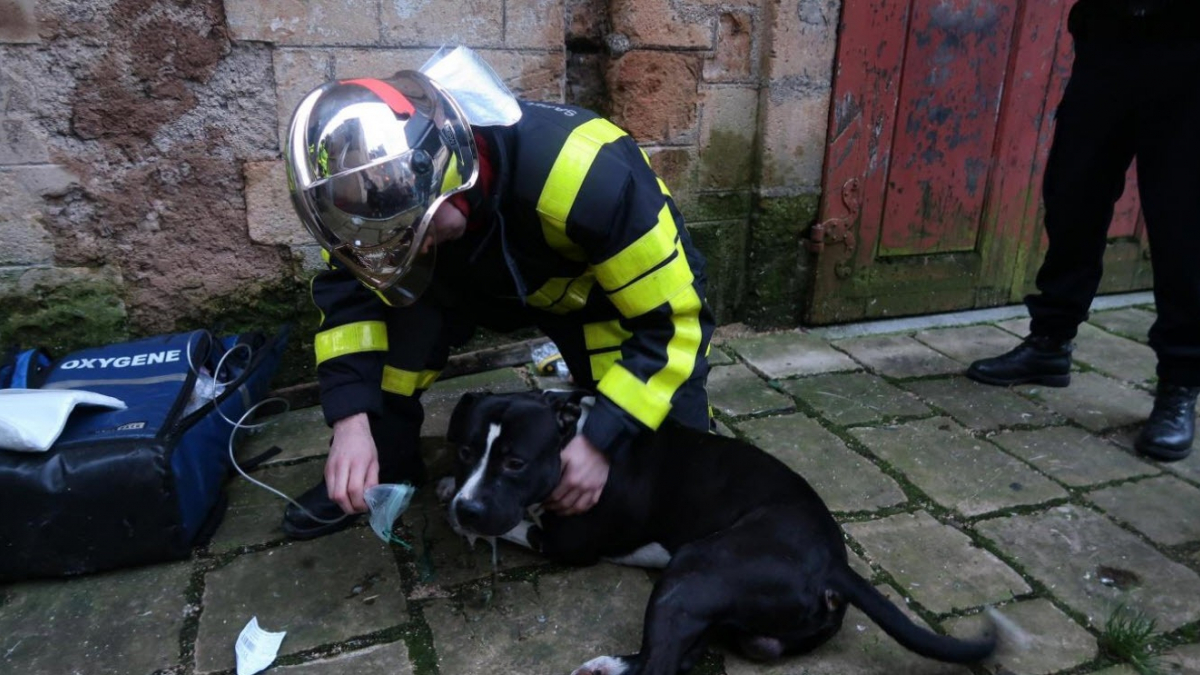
584, 474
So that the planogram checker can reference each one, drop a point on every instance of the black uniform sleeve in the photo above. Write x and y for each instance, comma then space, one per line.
637, 253
350, 345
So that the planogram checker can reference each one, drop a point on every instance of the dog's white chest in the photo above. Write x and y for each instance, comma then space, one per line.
652, 555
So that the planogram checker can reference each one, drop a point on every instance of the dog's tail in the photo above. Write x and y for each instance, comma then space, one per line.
860, 593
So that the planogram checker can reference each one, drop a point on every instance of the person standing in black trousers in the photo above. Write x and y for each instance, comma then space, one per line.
1134, 92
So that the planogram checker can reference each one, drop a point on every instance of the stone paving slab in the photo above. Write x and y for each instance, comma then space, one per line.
1094, 401
981, 406
1018, 326
958, 471
1115, 356
1072, 455
1056, 642
845, 480
791, 353
937, 565
1094, 566
719, 357
126, 621
1165, 509
859, 648
255, 516
1130, 322
1184, 659
321, 592
736, 390
386, 659
969, 343
849, 399
443, 559
898, 356
552, 625
298, 433
1187, 468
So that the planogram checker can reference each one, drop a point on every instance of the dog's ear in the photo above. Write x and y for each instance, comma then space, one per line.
457, 429
568, 409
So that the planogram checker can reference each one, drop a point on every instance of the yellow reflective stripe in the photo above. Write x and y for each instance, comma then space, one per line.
650, 401
378, 293
352, 338
601, 363
563, 294
565, 179
407, 382
452, 179
604, 335
631, 395
644, 254
683, 347
655, 288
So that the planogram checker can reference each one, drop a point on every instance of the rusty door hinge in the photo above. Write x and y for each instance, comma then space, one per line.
839, 231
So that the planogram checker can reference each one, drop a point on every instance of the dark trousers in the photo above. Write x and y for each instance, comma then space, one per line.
1126, 99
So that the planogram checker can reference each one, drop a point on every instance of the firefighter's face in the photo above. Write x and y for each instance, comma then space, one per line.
447, 225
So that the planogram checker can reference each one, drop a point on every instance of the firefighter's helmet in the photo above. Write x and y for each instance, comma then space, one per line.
369, 162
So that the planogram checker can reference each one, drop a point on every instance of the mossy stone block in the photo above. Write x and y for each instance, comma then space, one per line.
777, 268
62, 309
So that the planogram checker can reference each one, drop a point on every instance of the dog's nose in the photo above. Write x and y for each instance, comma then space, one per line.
469, 511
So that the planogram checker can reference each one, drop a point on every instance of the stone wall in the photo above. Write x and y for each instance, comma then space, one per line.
141, 185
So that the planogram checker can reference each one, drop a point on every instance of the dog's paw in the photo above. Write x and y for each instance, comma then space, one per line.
445, 489
602, 665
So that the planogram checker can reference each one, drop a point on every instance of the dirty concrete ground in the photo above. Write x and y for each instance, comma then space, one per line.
953, 496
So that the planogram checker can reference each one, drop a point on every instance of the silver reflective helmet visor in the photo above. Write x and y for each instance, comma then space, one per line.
377, 159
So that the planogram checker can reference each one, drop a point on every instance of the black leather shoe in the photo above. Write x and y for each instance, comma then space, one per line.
1037, 360
300, 525
1167, 436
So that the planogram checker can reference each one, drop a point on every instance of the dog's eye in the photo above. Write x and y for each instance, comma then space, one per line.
513, 464
464, 453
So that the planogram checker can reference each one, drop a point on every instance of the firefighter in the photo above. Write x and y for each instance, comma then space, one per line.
1134, 91
555, 220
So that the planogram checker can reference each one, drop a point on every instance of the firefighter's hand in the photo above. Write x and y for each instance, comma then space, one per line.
584, 474
353, 464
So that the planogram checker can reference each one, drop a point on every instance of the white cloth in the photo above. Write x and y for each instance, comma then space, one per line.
32, 419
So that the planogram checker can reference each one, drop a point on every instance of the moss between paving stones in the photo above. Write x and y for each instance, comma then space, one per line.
777, 261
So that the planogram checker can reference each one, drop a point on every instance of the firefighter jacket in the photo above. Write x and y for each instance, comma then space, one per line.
578, 234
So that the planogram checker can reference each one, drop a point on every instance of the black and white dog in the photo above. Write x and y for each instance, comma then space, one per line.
746, 545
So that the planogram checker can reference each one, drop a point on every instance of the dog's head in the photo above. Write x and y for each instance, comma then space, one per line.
507, 455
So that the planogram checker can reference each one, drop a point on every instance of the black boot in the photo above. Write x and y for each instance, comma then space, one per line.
1167, 436
1037, 360
299, 524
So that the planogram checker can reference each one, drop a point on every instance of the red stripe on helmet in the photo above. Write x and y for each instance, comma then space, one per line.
398, 102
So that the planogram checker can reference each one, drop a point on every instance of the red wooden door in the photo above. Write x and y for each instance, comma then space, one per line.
941, 121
